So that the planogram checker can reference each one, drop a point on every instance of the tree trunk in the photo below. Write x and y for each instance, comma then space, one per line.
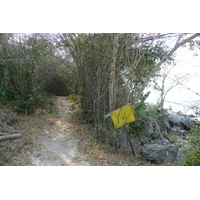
177, 45
122, 139
112, 88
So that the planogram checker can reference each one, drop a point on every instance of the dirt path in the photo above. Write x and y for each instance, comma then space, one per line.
59, 137
58, 146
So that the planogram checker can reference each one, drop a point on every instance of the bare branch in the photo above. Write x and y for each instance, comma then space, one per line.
177, 45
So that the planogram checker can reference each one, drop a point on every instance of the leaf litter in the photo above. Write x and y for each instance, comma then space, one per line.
57, 139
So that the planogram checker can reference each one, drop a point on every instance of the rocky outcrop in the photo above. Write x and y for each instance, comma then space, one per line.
146, 140
159, 154
156, 144
180, 120
156, 129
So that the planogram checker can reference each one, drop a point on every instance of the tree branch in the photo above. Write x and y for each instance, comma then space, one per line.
177, 45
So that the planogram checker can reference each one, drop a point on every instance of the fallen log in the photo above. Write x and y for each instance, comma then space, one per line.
11, 136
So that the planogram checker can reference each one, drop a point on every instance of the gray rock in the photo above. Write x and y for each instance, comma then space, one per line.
157, 146
178, 131
153, 129
165, 123
160, 153
180, 120
144, 140
149, 129
161, 141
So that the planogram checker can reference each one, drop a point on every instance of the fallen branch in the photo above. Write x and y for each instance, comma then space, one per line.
13, 136
3, 133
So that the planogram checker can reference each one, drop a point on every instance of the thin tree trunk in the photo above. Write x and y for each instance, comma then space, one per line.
112, 87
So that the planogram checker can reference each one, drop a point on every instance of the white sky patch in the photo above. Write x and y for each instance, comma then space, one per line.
186, 63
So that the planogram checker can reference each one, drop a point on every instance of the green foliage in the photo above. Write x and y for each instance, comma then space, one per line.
3, 96
193, 46
72, 108
19, 88
173, 138
74, 98
134, 62
94, 51
93, 142
78, 116
142, 112
191, 153
137, 127
141, 103
50, 105
77, 130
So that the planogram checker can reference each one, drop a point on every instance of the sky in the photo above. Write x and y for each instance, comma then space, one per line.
186, 62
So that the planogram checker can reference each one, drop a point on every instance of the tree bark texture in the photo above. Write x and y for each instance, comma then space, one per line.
112, 85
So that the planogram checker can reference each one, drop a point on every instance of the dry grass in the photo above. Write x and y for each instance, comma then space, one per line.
102, 154
7, 118
17, 152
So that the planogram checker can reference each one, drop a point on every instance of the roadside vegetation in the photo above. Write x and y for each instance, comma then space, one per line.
100, 73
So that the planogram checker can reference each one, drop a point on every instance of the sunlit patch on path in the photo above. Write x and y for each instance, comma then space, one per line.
58, 144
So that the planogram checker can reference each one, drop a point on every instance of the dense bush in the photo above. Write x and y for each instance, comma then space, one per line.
142, 111
21, 86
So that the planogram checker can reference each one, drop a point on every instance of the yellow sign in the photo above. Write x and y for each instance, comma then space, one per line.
122, 116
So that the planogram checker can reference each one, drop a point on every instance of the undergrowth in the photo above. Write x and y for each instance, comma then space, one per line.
191, 153
142, 112
74, 98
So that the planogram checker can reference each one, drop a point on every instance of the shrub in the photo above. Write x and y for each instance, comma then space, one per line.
20, 90
142, 112
3, 96
191, 154
74, 98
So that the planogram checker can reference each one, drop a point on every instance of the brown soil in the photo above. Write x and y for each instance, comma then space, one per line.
59, 139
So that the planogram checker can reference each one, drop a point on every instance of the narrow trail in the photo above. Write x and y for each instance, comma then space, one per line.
54, 139
58, 144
